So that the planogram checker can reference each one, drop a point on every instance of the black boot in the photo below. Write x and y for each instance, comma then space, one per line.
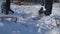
7, 12
41, 10
47, 13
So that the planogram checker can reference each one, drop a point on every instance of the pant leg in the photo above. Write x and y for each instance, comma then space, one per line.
7, 6
48, 6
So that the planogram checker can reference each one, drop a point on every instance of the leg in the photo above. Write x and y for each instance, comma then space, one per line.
8, 7
48, 10
48, 6
7, 11
11, 11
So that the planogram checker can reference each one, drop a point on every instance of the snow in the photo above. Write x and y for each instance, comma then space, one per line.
29, 21
1, 24
54, 31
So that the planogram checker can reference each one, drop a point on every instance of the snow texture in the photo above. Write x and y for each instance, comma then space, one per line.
29, 21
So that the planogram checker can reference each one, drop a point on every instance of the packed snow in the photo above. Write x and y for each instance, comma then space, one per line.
29, 21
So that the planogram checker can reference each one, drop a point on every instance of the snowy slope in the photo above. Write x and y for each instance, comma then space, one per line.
28, 22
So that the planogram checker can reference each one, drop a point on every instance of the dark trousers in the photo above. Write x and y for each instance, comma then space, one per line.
48, 6
8, 7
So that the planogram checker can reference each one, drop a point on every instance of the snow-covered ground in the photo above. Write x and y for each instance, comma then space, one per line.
29, 21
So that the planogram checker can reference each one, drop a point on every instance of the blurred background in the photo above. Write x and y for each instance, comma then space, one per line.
28, 1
